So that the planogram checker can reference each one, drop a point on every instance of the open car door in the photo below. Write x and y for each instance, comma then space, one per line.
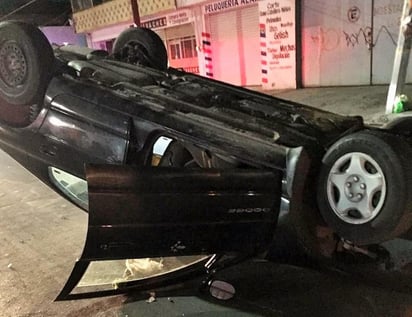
156, 226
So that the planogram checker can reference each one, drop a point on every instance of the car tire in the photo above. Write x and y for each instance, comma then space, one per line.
141, 46
365, 187
26, 63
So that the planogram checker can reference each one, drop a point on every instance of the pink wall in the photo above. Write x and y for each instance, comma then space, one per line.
63, 34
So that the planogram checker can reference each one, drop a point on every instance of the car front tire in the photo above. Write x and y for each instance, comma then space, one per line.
141, 46
365, 187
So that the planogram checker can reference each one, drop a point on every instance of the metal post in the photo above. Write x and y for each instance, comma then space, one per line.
135, 11
298, 32
401, 61
372, 42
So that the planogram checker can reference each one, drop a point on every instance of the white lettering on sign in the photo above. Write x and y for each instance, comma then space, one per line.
176, 18
223, 5
248, 210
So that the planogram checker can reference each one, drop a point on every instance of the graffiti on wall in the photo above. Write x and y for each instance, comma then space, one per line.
351, 38
365, 36
354, 14
329, 39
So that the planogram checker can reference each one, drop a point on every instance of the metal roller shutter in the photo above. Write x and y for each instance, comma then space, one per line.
235, 45
251, 48
179, 31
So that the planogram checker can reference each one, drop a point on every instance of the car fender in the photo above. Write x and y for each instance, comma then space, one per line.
394, 122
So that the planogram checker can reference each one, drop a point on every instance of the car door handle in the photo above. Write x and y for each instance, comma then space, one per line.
48, 150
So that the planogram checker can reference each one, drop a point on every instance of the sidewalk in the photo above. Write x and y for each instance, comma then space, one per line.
367, 101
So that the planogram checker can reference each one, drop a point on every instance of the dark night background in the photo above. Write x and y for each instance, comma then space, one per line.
39, 12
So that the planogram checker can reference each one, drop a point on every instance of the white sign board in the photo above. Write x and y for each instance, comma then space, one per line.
174, 19
278, 43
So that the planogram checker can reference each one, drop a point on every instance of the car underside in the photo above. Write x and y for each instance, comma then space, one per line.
172, 165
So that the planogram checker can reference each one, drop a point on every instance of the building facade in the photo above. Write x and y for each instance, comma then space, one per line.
275, 44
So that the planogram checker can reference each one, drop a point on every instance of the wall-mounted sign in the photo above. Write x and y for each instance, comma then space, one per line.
154, 23
278, 43
223, 5
179, 17
169, 20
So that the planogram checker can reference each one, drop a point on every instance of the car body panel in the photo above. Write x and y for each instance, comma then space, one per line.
143, 213
172, 212
63, 136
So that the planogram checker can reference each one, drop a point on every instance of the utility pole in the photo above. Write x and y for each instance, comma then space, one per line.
135, 11
401, 61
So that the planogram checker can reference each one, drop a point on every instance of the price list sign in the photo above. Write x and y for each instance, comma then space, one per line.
278, 43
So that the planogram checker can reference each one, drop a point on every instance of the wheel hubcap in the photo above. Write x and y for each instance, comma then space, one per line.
356, 188
13, 66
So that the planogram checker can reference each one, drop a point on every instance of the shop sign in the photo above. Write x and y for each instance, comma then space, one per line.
170, 20
278, 43
223, 5
179, 18
192, 69
154, 23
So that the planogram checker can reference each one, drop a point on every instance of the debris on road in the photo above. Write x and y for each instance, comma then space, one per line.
152, 297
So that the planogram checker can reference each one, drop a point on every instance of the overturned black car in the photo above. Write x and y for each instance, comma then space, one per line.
183, 175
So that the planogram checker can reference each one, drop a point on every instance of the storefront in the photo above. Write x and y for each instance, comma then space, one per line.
177, 31
233, 29
221, 40
275, 44
104, 38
